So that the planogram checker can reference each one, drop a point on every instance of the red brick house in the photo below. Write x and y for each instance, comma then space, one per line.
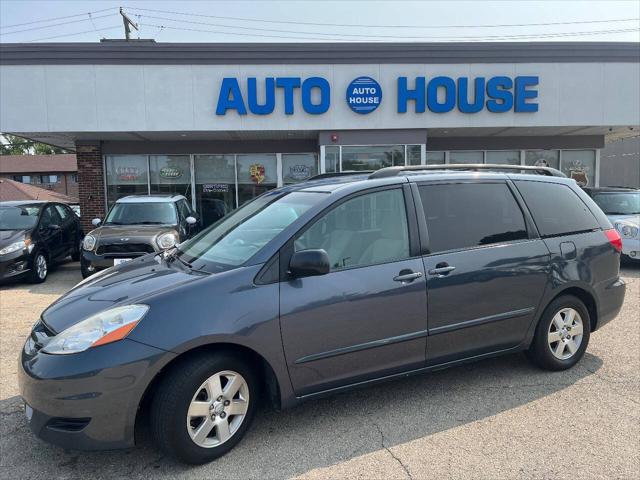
12, 190
58, 173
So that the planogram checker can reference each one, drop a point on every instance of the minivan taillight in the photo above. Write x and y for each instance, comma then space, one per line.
614, 237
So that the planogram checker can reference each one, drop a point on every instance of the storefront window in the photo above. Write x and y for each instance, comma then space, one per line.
170, 174
504, 157
466, 157
372, 157
542, 158
215, 190
579, 165
298, 167
126, 175
435, 158
257, 173
331, 159
413, 154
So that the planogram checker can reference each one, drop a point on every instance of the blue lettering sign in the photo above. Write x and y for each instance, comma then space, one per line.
449, 87
230, 97
417, 95
288, 84
499, 92
523, 93
364, 95
325, 95
269, 96
463, 95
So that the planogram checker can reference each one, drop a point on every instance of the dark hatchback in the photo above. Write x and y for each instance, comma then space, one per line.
320, 287
135, 226
35, 235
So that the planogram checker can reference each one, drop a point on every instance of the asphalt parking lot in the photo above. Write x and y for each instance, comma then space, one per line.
500, 418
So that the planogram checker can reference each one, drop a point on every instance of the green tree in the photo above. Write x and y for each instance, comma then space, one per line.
12, 145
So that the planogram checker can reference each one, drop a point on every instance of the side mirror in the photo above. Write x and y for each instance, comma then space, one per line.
309, 263
191, 220
96, 221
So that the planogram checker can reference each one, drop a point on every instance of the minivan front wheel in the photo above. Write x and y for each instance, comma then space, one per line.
562, 334
203, 407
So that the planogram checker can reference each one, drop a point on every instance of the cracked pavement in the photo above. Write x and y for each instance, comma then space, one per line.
500, 418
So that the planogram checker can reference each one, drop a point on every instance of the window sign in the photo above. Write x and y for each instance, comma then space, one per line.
170, 174
126, 175
298, 167
580, 165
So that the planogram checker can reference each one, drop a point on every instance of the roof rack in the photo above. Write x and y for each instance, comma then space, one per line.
346, 173
395, 171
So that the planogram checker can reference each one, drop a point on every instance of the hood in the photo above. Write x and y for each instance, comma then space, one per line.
132, 233
629, 219
7, 237
131, 282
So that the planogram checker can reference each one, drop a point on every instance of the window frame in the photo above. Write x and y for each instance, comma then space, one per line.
288, 249
532, 231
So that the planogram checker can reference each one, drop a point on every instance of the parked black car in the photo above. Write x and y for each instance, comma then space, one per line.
320, 287
33, 236
137, 225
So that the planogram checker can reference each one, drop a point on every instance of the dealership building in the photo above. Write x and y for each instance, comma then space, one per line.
222, 123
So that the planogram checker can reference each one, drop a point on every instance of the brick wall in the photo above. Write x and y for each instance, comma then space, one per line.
90, 183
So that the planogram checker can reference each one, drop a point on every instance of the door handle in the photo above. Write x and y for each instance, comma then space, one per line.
441, 271
407, 276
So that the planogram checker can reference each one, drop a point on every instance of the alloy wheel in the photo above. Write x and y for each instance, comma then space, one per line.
41, 266
217, 409
565, 333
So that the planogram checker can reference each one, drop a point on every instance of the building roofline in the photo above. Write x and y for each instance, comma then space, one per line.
152, 53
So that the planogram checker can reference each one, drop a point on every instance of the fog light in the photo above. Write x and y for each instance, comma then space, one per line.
91, 268
633, 254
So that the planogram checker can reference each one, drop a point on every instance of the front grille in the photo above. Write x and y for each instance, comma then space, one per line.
123, 249
40, 335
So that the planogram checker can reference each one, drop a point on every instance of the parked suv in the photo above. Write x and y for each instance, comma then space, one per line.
137, 225
622, 207
320, 287
34, 235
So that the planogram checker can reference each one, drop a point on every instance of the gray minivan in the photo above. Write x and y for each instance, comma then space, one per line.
314, 288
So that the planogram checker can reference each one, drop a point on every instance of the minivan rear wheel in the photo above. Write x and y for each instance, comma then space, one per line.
562, 335
203, 407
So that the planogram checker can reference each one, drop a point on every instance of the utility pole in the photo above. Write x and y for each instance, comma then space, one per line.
127, 24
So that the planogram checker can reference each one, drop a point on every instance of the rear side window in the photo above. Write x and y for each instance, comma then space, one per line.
556, 208
468, 215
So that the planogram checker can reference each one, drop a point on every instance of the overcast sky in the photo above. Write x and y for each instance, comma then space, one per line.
281, 21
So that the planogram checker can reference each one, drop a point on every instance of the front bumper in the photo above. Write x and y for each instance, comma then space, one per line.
14, 265
88, 400
91, 262
631, 248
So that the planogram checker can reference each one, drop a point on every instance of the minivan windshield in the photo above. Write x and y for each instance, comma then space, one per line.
151, 213
237, 237
18, 218
618, 203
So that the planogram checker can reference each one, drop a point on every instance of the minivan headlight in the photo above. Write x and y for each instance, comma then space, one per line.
99, 329
89, 242
166, 240
626, 230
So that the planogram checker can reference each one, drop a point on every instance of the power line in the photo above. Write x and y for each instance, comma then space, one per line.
384, 26
332, 35
76, 33
90, 18
55, 18
451, 38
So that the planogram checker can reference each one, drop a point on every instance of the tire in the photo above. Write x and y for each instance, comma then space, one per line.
562, 335
182, 436
39, 268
